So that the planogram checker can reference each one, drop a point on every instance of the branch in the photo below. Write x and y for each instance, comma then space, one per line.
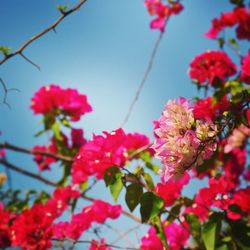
27, 173
6, 90
99, 245
145, 76
32, 39
9, 146
51, 183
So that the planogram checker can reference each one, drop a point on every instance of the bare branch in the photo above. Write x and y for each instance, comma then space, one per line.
25, 172
9, 146
6, 91
89, 242
29, 61
145, 77
32, 39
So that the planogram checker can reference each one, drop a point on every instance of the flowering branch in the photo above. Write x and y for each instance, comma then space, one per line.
9, 146
32, 39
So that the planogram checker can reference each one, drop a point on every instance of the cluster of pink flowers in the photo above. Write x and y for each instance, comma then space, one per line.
101, 245
162, 12
245, 68
171, 190
44, 162
5, 236
177, 236
211, 66
97, 212
53, 99
103, 152
207, 108
220, 194
32, 229
181, 141
239, 17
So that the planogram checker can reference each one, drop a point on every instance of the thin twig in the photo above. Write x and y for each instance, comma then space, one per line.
99, 245
122, 235
6, 91
32, 39
145, 76
29, 61
9, 146
27, 173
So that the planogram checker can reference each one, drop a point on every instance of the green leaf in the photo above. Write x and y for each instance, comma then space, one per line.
234, 43
5, 50
133, 195
62, 8
195, 226
116, 187
57, 132
209, 234
84, 186
149, 180
151, 205
110, 175
223, 247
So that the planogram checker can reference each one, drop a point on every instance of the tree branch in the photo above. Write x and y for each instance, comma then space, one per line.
145, 77
6, 91
32, 39
51, 183
9, 146
27, 173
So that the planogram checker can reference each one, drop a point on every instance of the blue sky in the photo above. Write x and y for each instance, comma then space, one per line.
102, 50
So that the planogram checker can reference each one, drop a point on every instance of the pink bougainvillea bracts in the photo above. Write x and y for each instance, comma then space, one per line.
99, 211
239, 17
181, 142
162, 12
245, 68
102, 152
56, 100
211, 66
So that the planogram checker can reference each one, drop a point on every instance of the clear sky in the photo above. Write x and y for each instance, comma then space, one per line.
102, 50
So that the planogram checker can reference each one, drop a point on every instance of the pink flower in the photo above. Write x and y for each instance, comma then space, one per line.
151, 241
99, 154
99, 211
171, 190
181, 142
207, 108
95, 245
237, 138
211, 66
239, 17
2, 153
5, 236
44, 162
245, 69
55, 100
162, 12
77, 138
177, 235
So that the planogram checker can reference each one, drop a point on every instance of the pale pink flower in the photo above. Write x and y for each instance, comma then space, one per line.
237, 138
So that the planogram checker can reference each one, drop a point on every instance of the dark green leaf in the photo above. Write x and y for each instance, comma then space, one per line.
110, 175
133, 195
151, 205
